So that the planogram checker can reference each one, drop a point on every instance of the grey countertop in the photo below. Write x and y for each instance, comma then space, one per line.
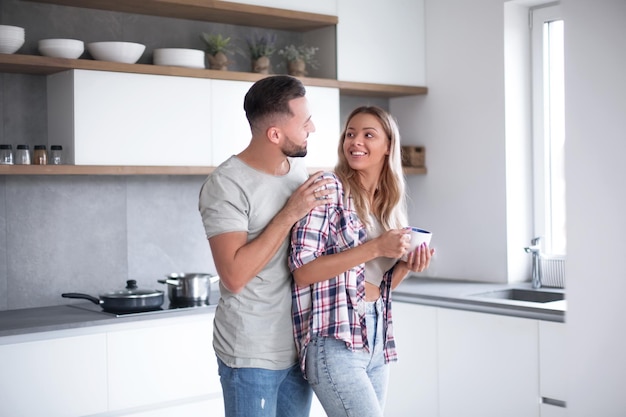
78, 315
433, 292
466, 295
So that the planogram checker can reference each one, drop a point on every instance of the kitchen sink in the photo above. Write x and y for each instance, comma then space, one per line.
520, 294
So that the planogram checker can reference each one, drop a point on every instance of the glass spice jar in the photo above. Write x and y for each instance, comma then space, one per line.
22, 155
40, 156
6, 155
56, 155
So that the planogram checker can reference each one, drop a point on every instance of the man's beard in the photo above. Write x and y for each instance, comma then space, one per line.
293, 150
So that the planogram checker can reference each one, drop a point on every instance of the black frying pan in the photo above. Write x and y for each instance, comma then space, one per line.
129, 300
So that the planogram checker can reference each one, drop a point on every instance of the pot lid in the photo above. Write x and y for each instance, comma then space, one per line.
131, 291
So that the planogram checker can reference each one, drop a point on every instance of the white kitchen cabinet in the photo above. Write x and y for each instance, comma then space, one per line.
413, 379
548, 410
368, 49
116, 118
488, 365
553, 366
64, 376
322, 144
230, 131
151, 368
163, 363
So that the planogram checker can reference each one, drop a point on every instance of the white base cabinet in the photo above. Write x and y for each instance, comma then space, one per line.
161, 364
62, 377
553, 365
462, 363
488, 365
152, 368
413, 379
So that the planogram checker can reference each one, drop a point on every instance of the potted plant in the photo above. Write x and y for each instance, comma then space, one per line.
260, 49
298, 57
217, 47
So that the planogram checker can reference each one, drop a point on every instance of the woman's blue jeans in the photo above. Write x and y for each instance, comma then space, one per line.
256, 392
350, 383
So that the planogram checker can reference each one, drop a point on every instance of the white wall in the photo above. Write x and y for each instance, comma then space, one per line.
518, 121
462, 124
595, 88
461, 121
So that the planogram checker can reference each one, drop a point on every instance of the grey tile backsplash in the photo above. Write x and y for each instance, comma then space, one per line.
91, 233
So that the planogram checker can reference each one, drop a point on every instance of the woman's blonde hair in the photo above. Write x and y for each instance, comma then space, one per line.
389, 203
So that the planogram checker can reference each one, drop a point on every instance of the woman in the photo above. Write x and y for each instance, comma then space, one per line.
345, 261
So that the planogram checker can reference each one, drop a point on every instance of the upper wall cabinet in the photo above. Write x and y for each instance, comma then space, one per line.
322, 144
381, 42
230, 130
109, 118
112, 118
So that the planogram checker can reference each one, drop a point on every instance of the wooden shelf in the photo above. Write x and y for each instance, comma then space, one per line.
211, 11
41, 65
103, 170
414, 170
133, 170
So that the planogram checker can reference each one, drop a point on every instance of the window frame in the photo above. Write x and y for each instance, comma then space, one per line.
541, 193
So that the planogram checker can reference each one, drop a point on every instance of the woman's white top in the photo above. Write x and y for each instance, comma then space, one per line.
376, 268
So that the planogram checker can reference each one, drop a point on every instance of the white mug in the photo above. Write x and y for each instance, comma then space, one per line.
418, 236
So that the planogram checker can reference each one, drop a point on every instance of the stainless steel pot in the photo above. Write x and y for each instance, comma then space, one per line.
189, 288
129, 300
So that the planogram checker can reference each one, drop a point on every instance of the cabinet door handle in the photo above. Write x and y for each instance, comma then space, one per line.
552, 401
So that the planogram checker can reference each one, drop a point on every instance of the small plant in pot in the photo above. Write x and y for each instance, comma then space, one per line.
260, 49
217, 47
298, 57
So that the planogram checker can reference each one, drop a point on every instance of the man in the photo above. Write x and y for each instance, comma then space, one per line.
249, 205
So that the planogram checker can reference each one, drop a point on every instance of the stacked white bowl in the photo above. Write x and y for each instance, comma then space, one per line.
124, 52
179, 57
61, 48
11, 39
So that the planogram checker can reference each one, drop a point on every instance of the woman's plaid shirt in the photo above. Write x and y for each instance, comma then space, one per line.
331, 308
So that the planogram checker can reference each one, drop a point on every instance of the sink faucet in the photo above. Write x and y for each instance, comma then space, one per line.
535, 250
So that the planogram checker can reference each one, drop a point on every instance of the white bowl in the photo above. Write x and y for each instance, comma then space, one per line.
61, 48
180, 57
124, 52
11, 39
12, 31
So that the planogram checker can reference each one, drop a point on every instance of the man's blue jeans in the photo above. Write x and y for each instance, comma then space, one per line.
256, 392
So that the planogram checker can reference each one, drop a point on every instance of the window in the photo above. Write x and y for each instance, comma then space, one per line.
549, 128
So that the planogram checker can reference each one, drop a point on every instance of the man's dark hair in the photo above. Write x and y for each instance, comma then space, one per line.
270, 96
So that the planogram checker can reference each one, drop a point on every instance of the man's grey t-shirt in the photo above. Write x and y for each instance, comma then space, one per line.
252, 328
